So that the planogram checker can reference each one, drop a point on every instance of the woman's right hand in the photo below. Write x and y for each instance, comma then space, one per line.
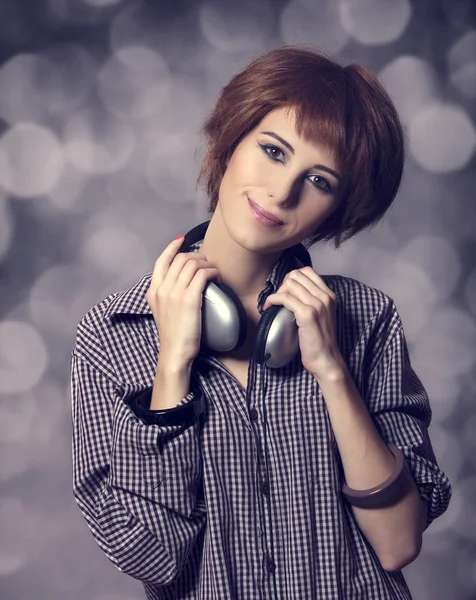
175, 298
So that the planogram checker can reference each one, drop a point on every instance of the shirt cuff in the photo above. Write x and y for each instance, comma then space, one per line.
185, 413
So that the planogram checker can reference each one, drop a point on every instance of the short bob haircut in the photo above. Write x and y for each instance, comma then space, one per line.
346, 108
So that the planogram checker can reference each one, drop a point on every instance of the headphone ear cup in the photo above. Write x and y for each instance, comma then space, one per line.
224, 319
277, 338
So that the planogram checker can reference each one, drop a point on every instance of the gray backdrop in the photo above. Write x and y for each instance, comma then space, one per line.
101, 102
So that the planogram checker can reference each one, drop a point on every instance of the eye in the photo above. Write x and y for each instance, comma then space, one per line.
321, 183
272, 151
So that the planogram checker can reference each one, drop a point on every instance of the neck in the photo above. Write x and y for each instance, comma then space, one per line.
241, 268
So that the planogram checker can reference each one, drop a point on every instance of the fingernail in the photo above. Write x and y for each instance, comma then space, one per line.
179, 236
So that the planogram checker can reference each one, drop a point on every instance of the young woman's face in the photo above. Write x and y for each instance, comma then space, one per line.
292, 179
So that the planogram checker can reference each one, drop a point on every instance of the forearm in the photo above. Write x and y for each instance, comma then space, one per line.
394, 531
171, 384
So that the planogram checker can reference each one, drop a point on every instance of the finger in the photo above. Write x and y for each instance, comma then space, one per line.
188, 273
308, 295
163, 262
188, 262
171, 261
311, 281
283, 299
319, 281
201, 279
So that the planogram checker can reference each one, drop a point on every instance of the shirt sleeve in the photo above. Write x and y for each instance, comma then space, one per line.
136, 484
400, 409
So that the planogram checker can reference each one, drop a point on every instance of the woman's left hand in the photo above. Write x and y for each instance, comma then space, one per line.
306, 295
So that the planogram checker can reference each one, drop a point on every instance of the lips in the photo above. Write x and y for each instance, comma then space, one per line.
266, 214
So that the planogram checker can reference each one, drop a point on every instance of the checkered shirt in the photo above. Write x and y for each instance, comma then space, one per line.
185, 508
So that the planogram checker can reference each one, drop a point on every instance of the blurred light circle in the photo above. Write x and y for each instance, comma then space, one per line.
470, 291
75, 80
447, 346
45, 88
69, 188
25, 88
406, 283
373, 22
185, 113
167, 160
140, 23
462, 64
98, 143
465, 80
435, 204
6, 227
30, 427
135, 82
116, 250
31, 160
411, 83
60, 297
438, 260
442, 138
233, 27
301, 21
23, 357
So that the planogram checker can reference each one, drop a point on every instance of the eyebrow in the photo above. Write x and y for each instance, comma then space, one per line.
291, 149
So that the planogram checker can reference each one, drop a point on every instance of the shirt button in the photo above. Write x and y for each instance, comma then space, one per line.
271, 565
253, 414
264, 488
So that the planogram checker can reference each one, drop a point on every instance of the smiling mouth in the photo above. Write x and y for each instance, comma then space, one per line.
263, 213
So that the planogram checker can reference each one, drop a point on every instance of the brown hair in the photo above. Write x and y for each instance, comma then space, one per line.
345, 108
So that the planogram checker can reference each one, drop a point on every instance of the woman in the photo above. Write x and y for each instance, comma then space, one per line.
208, 473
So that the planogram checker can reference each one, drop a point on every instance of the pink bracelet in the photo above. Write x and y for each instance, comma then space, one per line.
382, 494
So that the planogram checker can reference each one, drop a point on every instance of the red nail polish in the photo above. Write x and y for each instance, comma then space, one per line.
179, 236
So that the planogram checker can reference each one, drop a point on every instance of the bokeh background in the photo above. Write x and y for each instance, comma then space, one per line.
101, 104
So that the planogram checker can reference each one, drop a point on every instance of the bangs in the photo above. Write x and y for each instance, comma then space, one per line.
320, 120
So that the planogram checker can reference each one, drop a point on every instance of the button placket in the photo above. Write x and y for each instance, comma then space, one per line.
264, 487
253, 414
270, 565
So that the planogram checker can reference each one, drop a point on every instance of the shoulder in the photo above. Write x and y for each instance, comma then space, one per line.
364, 314
358, 297
108, 321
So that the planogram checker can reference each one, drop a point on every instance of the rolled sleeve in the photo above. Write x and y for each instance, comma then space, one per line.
136, 484
162, 463
400, 408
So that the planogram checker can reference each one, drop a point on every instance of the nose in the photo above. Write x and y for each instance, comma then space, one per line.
285, 188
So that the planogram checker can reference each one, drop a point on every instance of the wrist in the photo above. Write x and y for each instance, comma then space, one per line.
334, 372
168, 367
171, 385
